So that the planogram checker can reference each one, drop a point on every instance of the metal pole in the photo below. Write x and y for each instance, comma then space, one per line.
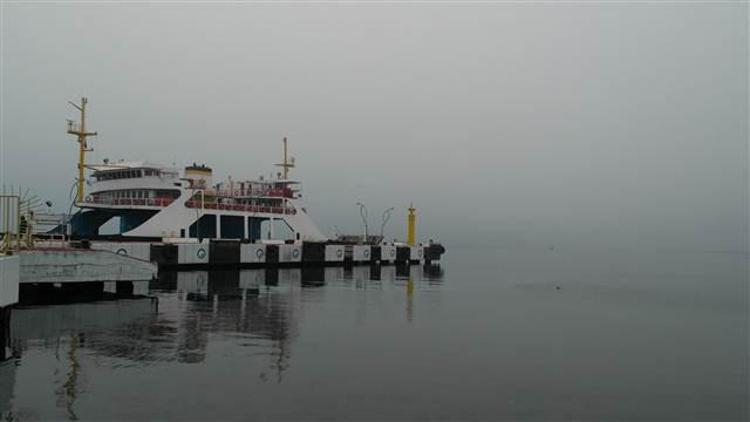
18, 223
81, 133
286, 169
81, 150
198, 223
6, 212
363, 214
386, 217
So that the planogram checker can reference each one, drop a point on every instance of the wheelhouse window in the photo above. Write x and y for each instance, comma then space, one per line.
125, 174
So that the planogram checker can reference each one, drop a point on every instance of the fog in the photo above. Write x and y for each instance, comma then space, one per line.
607, 124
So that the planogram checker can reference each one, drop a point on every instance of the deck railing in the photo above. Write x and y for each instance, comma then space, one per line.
149, 202
241, 207
163, 202
275, 193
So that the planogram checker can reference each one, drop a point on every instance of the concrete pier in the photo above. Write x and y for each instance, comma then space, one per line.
139, 250
9, 286
10, 278
82, 265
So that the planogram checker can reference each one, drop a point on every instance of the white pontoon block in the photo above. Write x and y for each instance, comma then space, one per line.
334, 253
290, 253
252, 253
387, 253
193, 253
361, 253
416, 253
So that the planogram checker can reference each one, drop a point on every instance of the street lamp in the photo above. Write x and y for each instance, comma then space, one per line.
386, 217
363, 214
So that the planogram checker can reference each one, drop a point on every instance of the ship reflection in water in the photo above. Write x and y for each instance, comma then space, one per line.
247, 318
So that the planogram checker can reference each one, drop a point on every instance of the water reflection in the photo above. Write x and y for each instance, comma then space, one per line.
189, 313
393, 343
410, 301
68, 391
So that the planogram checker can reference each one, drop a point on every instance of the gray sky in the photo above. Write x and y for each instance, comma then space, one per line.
609, 123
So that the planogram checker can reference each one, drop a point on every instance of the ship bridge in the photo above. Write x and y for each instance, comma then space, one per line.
132, 184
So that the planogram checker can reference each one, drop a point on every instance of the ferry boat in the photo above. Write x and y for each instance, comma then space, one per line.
178, 218
153, 202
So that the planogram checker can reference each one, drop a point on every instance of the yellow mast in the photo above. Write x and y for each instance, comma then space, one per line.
412, 226
80, 131
286, 164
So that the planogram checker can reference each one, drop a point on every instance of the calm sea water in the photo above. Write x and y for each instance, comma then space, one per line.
504, 334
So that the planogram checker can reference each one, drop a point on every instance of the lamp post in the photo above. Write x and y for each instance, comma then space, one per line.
386, 217
363, 214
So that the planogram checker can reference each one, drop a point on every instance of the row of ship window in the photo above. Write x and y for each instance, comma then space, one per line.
136, 194
126, 174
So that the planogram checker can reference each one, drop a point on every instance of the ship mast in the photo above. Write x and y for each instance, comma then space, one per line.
287, 163
79, 129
